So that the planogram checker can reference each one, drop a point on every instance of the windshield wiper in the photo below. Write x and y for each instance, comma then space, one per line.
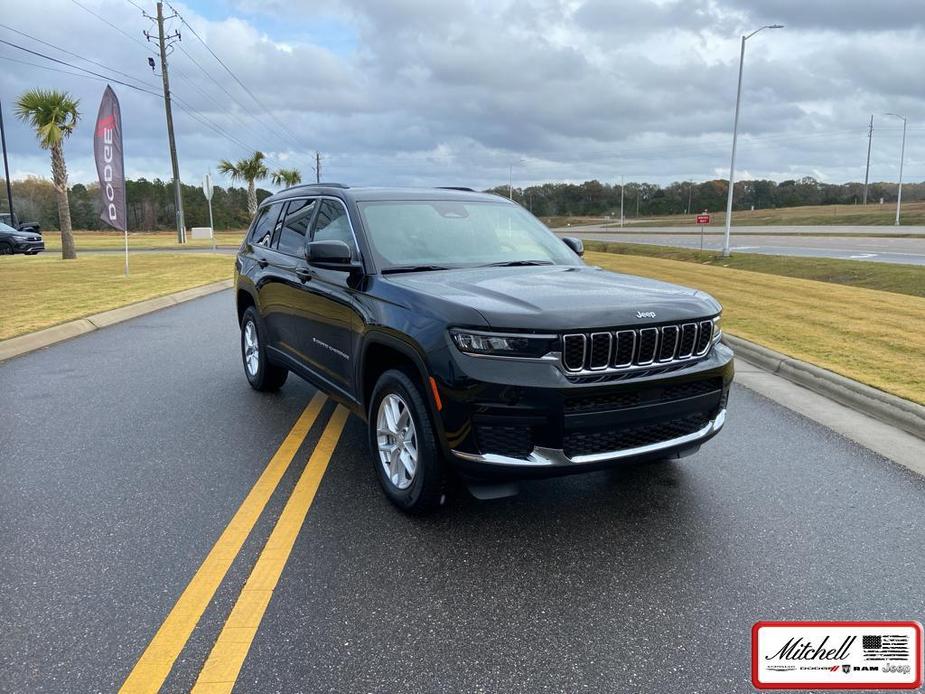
520, 263
412, 268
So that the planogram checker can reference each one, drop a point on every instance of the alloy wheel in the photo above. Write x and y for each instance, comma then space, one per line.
251, 348
397, 441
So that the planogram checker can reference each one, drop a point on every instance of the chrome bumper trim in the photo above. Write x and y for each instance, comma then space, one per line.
552, 457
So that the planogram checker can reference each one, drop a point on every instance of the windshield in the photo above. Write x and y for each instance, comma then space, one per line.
437, 234
5, 227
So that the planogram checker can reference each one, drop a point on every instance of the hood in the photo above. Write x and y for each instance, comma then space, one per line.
559, 297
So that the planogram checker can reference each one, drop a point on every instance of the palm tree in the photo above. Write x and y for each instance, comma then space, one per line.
287, 177
54, 116
251, 169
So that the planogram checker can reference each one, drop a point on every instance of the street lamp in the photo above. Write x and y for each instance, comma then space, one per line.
902, 155
510, 179
735, 133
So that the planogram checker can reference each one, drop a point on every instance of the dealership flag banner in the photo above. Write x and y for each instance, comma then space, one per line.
110, 164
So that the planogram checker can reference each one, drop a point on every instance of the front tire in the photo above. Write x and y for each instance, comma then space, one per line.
261, 374
408, 464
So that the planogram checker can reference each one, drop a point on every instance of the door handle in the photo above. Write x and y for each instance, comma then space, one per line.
304, 275
262, 263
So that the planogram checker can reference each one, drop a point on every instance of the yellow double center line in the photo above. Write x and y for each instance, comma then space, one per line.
156, 662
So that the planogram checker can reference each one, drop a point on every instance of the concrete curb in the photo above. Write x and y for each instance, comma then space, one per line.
30, 342
893, 410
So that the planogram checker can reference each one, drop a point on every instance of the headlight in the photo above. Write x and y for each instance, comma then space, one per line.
22, 237
503, 344
717, 328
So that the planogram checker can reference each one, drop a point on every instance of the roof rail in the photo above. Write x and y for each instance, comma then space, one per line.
463, 188
320, 185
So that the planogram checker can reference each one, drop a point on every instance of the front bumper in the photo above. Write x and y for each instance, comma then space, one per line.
503, 418
28, 247
541, 457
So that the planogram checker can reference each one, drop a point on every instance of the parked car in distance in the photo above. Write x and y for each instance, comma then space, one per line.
17, 241
472, 339
13, 221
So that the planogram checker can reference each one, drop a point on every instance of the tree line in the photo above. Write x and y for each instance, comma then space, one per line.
596, 198
54, 116
149, 205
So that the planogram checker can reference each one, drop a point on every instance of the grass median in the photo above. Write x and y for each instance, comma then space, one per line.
887, 277
876, 337
42, 291
137, 240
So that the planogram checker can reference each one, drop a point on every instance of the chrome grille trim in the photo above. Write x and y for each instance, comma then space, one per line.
634, 349
645, 359
691, 329
706, 327
565, 350
623, 335
669, 334
596, 338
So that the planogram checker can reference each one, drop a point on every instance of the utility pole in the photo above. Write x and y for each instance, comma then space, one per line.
165, 42
621, 202
690, 193
6, 171
317, 167
638, 195
902, 157
870, 136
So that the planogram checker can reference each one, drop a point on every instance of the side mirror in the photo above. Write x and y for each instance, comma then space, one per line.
332, 255
575, 244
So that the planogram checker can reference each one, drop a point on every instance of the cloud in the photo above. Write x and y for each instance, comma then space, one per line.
435, 92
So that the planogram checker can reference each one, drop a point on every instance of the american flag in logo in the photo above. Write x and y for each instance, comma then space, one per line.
885, 647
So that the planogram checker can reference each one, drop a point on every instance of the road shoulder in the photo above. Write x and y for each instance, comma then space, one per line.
886, 440
16, 346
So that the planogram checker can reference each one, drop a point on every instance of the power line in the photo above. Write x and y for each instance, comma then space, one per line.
52, 69
199, 117
231, 96
64, 50
77, 67
120, 30
234, 76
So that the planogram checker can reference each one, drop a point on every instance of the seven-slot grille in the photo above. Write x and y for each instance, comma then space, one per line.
601, 350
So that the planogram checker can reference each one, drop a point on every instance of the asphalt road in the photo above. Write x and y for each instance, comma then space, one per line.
124, 454
907, 251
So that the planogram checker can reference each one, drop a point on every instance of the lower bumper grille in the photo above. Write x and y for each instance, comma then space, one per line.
647, 396
587, 443
504, 439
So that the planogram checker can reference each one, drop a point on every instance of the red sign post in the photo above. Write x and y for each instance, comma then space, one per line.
701, 220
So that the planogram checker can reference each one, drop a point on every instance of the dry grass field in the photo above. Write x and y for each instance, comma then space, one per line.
912, 213
43, 291
872, 336
137, 240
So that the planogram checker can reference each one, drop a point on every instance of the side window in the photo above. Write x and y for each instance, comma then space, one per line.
295, 226
332, 224
262, 233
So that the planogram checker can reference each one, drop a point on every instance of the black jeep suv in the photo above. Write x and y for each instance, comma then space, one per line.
465, 333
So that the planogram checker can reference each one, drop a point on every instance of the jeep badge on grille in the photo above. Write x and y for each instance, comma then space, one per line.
645, 314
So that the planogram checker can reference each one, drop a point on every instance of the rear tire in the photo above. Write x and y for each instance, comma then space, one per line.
405, 455
261, 374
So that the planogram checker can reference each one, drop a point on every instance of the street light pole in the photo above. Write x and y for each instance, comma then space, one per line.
735, 134
6, 171
621, 202
902, 156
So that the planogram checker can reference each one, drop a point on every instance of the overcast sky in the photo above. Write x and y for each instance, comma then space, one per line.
438, 92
